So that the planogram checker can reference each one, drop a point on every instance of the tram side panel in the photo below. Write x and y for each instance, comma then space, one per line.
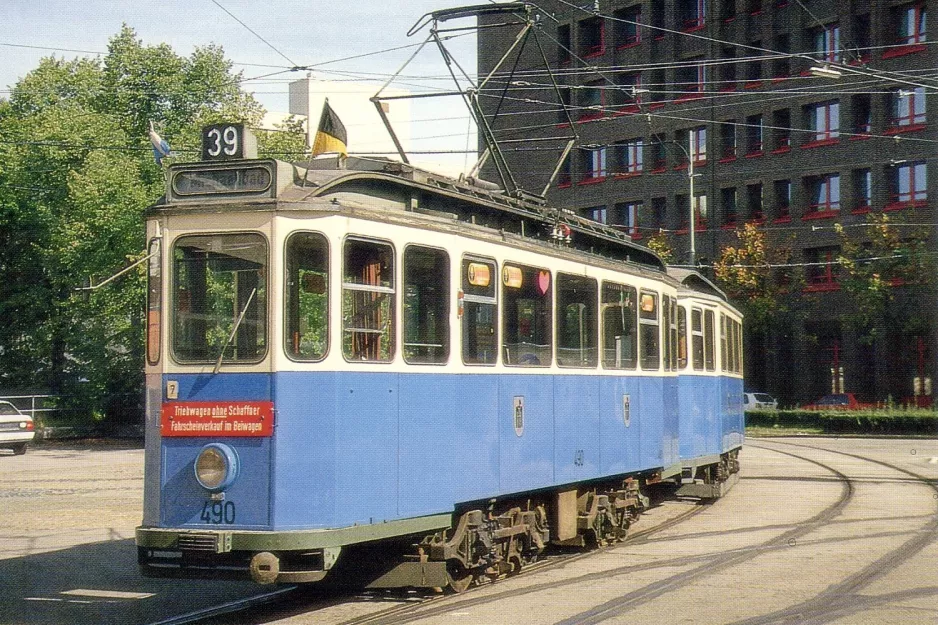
304, 483
367, 444
671, 425
576, 427
476, 461
733, 426
700, 401
620, 424
651, 414
428, 444
527, 438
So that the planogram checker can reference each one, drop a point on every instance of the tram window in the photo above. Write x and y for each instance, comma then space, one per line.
425, 306
724, 351
526, 316
220, 298
620, 327
739, 346
368, 301
666, 322
649, 340
306, 297
479, 312
697, 339
673, 331
708, 340
154, 300
576, 321
731, 345
681, 337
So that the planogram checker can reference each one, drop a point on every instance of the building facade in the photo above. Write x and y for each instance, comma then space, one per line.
809, 120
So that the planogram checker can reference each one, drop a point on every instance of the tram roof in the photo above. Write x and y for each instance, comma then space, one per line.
477, 201
409, 188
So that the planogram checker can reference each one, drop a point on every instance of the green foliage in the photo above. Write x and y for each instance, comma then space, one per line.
659, 244
76, 173
749, 272
874, 260
894, 420
287, 142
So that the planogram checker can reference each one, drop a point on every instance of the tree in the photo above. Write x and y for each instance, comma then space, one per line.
756, 276
76, 173
659, 244
875, 260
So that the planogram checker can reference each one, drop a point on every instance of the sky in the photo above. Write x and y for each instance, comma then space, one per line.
288, 33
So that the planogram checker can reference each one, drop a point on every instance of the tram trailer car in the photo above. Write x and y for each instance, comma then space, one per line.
356, 356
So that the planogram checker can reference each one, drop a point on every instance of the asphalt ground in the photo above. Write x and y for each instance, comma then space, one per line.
818, 530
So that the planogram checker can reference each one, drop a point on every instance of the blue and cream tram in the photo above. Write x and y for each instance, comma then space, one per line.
359, 353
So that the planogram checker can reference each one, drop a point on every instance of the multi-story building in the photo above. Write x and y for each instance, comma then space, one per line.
806, 118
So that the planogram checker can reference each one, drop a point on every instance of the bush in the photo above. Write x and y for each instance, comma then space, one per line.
873, 421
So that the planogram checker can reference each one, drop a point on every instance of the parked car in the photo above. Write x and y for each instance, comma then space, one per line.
759, 401
838, 401
16, 429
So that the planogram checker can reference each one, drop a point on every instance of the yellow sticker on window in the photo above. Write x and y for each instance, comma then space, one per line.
648, 302
512, 277
479, 274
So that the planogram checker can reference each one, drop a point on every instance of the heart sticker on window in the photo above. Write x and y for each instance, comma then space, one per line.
543, 281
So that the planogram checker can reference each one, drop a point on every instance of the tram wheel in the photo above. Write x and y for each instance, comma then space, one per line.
460, 577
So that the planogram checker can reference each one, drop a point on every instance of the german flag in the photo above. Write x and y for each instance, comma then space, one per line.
331, 136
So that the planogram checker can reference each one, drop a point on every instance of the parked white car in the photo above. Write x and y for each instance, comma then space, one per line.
759, 401
16, 429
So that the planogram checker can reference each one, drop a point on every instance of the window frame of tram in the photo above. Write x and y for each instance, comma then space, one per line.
367, 292
478, 310
649, 324
526, 311
248, 297
709, 360
154, 300
697, 338
306, 305
425, 306
576, 322
620, 342
724, 343
682, 358
669, 332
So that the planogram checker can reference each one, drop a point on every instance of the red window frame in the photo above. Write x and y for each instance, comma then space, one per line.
918, 34
825, 121
698, 145
596, 49
697, 21
823, 274
827, 43
913, 116
917, 184
632, 156
632, 14
827, 203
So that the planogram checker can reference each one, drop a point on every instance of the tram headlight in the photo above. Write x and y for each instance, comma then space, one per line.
216, 467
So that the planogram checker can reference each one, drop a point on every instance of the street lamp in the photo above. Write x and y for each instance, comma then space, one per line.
688, 152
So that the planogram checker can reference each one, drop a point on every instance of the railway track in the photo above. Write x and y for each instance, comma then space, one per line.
842, 600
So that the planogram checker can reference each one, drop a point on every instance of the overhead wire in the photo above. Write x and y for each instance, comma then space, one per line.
253, 32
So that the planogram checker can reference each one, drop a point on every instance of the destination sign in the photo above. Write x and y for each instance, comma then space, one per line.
254, 179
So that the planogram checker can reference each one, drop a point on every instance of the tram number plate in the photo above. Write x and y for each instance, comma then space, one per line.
218, 512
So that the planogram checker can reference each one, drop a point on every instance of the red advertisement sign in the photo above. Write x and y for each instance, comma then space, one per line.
217, 418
